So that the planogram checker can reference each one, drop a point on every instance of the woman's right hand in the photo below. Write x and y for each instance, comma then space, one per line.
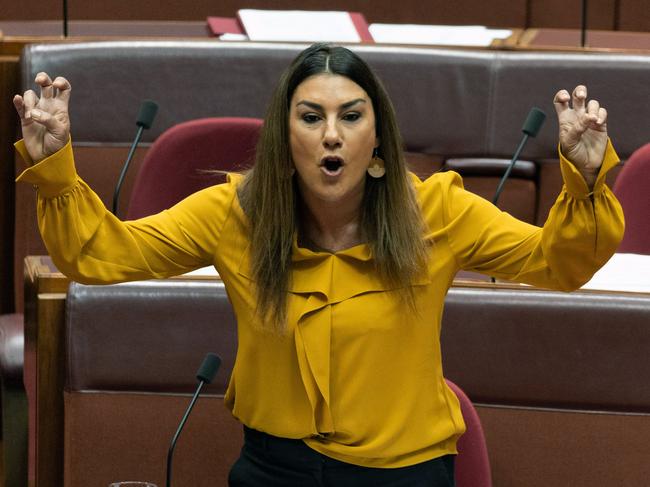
45, 121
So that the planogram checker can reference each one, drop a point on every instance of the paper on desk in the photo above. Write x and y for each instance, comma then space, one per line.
233, 37
298, 25
203, 271
623, 272
443, 35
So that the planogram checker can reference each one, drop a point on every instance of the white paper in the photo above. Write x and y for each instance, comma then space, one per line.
623, 272
233, 37
203, 272
442, 35
298, 26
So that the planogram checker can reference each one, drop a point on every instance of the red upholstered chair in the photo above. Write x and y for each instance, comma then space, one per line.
472, 463
632, 188
180, 161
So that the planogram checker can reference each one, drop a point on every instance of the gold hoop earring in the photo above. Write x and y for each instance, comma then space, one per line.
377, 167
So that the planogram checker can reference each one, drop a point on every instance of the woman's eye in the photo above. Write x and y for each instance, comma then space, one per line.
351, 117
310, 118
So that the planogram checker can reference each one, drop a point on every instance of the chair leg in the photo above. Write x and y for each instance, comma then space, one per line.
14, 436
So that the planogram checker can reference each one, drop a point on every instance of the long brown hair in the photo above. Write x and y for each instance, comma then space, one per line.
390, 217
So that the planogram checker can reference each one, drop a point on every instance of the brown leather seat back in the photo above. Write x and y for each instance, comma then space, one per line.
560, 381
132, 354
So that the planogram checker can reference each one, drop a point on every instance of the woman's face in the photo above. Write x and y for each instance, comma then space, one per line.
332, 137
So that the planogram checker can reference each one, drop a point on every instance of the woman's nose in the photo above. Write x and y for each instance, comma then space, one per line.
332, 135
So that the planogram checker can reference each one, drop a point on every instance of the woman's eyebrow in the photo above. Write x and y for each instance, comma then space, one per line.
316, 106
352, 103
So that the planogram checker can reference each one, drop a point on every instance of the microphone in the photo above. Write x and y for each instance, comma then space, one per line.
205, 375
532, 125
148, 111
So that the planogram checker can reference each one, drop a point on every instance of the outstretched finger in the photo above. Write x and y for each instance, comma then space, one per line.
45, 82
63, 88
30, 100
561, 101
19, 104
602, 116
592, 110
579, 97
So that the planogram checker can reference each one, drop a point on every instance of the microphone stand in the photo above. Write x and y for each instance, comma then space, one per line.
170, 453
532, 125
120, 180
65, 18
148, 111
583, 25
205, 375
524, 139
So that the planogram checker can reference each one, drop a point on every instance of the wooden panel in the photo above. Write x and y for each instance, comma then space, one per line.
135, 432
498, 13
44, 335
567, 14
541, 448
31, 9
49, 379
603, 14
570, 39
634, 15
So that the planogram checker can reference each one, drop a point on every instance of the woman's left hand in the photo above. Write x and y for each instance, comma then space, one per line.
583, 131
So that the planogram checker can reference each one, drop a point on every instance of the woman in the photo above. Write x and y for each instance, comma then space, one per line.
337, 262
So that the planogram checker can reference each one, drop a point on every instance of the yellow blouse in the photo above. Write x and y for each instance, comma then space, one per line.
358, 375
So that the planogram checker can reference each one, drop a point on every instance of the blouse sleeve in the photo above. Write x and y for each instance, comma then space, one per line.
582, 231
90, 245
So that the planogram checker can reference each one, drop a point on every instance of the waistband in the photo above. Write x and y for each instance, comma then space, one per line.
282, 447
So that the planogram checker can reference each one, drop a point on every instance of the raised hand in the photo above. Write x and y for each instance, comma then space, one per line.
45, 121
583, 131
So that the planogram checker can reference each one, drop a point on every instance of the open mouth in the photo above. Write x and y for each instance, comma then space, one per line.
332, 166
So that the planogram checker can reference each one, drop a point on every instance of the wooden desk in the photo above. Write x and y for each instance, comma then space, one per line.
14, 35
45, 335
596, 40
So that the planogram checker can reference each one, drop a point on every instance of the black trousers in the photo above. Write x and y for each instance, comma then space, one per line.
269, 461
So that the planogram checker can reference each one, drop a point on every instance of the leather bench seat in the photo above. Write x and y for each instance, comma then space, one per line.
132, 355
559, 381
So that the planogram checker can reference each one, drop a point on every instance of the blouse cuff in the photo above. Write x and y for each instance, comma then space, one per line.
575, 184
54, 175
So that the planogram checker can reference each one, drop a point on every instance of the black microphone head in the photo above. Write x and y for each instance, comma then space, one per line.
208, 368
148, 111
534, 122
